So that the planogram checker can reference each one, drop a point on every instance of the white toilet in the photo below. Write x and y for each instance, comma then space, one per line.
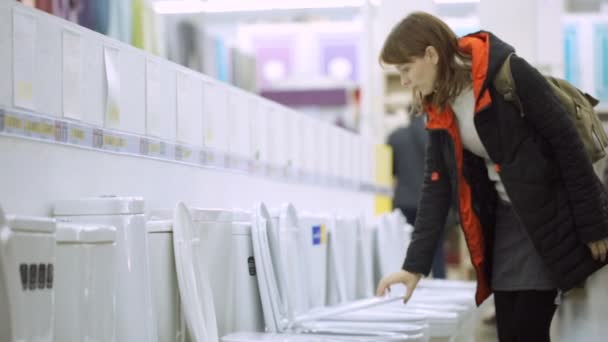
200, 325
278, 273
27, 262
392, 238
85, 287
443, 319
134, 312
366, 286
226, 249
348, 316
343, 246
313, 245
163, 278
448, 304
69, 279
99, 282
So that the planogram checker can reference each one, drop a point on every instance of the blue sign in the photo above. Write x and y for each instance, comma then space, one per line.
600, 35
222, 55
571, 54
316, 235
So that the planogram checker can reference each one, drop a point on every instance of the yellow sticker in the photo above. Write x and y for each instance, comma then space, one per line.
114, 114
323, 234
77, 133
47, 129
31, 127
383, 205
154, 148
383, 164
13, 122
113, 141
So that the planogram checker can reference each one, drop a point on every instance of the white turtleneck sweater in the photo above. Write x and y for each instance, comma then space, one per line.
464, 110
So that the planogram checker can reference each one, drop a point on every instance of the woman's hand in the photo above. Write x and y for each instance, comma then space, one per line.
410, 280
599, 249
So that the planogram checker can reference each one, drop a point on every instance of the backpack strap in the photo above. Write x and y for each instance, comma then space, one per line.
505, 85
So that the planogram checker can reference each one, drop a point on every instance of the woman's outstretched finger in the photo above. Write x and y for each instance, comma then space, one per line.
408, 293
382, 288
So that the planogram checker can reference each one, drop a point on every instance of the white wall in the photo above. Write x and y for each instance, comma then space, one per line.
6, 53
515, 22
550, 25
34, 173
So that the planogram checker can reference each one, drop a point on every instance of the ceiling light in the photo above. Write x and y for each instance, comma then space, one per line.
228, 6
456, 1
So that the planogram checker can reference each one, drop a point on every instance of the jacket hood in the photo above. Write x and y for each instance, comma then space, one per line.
488, 53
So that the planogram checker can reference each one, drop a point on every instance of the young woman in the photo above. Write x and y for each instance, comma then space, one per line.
534, 214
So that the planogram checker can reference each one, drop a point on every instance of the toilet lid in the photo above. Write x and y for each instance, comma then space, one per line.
193, 278
100, 206
278, 312
317, 337
97, 234
68, 232
210, 215
265, 272
159, 226
186, 277
31, 224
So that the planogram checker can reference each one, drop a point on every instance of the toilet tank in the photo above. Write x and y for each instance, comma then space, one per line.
134, 311
27, 263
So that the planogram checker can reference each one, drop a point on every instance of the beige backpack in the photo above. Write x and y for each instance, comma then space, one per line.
578, 104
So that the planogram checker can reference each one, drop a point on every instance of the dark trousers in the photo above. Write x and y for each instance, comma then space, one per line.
438, 268
523, 316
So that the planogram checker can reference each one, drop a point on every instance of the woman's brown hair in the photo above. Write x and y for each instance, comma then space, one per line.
410, 38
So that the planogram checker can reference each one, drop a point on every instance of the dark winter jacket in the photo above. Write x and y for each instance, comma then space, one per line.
542, 164
409, 145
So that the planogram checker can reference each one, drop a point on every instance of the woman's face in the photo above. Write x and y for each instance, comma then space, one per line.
420, 74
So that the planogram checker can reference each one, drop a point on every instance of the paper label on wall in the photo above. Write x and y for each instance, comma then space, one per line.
112, 112
184, 106
220, 114
72, 66
239, 129
24, 48
153, 115
209, 98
